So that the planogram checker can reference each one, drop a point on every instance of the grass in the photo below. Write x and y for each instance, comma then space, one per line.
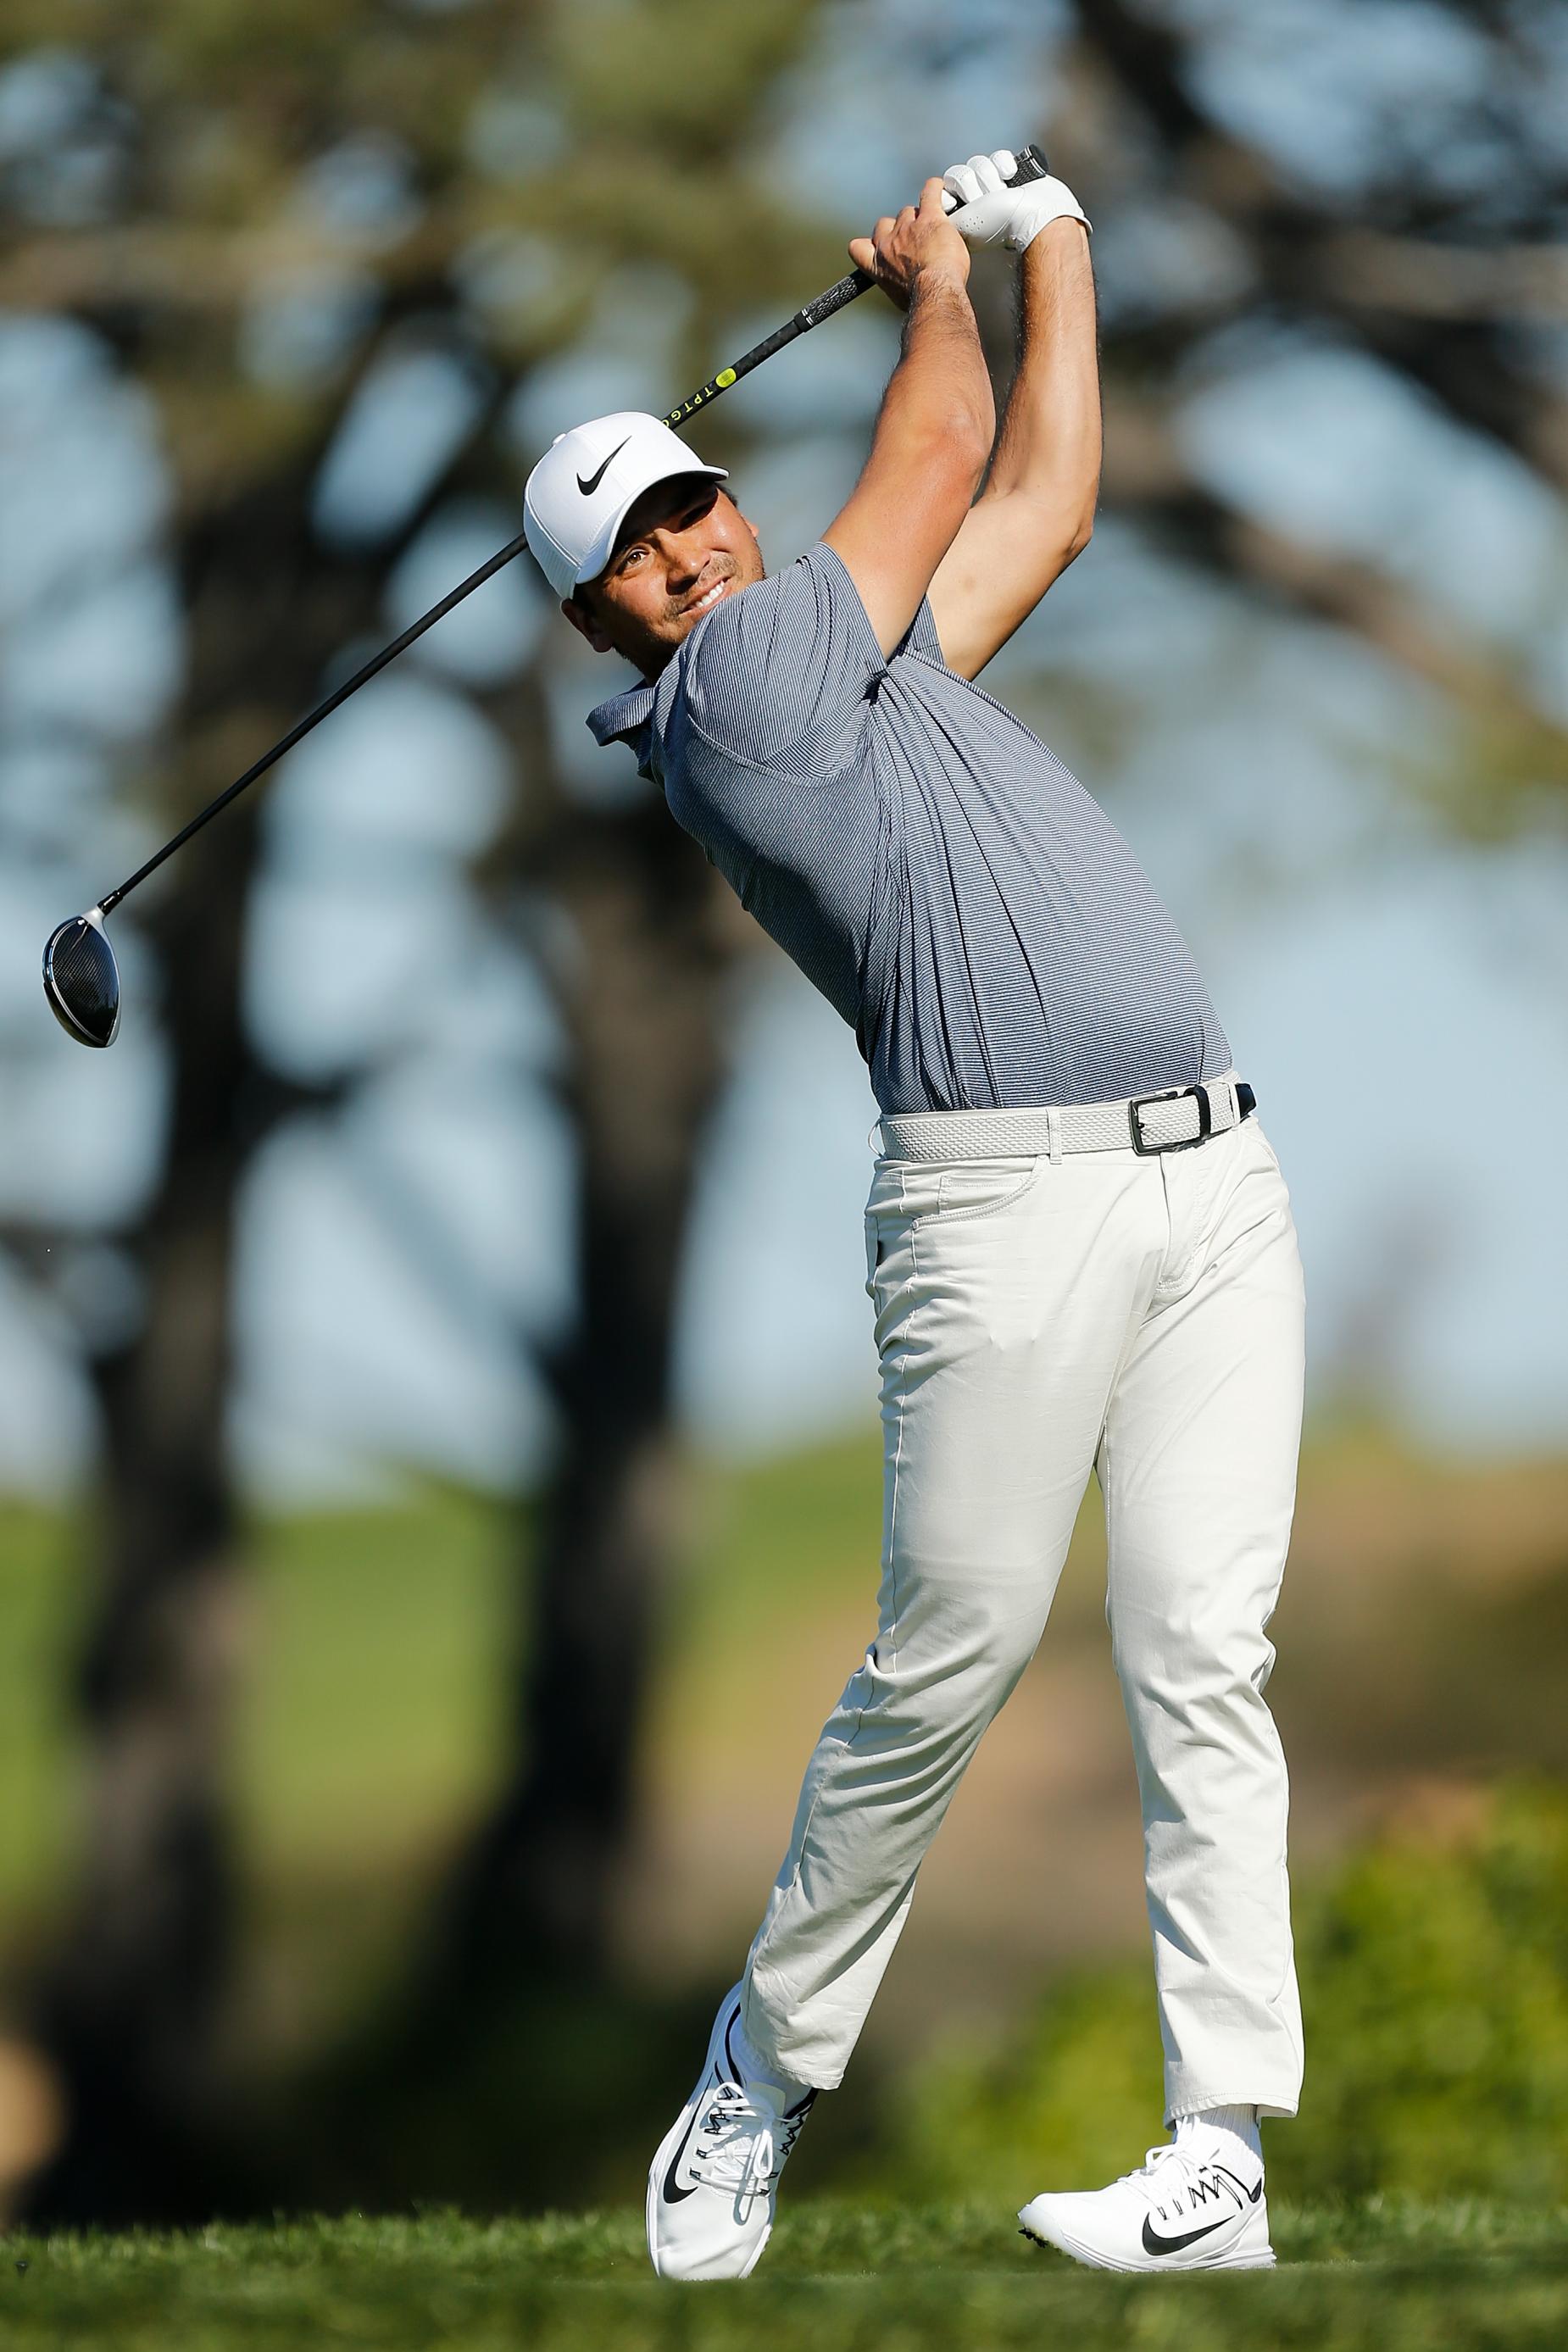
1402, 2278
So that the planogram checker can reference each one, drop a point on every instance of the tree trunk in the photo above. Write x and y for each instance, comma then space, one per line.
641, 993
130, 2011
131, 2006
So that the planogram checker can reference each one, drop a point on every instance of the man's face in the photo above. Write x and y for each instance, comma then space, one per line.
683, 547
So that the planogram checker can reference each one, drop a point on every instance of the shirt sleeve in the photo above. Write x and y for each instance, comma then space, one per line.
786, 662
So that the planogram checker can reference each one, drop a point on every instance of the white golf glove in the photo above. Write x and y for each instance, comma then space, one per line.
990, 213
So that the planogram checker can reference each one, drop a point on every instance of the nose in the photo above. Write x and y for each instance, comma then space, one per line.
684, 556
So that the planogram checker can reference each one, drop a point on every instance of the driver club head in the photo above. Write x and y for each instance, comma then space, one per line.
81, 981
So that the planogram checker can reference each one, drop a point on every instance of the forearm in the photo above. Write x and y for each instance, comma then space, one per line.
1048, 448
939, 392
927, 453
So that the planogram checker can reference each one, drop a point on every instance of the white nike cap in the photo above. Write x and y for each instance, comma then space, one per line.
586, 485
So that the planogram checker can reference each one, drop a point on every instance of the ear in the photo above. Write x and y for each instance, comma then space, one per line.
582, 620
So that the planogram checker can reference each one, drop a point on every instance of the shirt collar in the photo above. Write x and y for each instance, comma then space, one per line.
613, 722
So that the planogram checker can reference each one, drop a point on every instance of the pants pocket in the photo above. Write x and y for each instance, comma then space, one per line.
978, 1188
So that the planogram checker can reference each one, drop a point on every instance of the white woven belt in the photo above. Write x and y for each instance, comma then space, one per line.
1146, 1124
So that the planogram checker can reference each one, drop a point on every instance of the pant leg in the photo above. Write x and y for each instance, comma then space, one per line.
1006, 1292
1199, 1470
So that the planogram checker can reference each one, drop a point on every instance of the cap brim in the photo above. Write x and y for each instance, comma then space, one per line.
604, 544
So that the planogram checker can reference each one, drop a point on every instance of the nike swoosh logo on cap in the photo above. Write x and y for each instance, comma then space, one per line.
591, 484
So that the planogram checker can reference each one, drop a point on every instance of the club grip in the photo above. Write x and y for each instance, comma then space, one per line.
1029, 163
846, 289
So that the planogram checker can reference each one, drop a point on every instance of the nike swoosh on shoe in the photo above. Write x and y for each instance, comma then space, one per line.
1154, 2245
672, 2191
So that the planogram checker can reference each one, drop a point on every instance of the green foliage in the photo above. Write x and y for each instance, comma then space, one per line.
1401, 2279
667, 78
1074, 2098
1434, 1985
1435, 1978
541, 145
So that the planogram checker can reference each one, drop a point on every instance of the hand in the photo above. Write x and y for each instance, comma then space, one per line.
916, 244
987, 212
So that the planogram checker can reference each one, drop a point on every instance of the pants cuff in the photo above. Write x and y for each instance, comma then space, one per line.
1184, 2102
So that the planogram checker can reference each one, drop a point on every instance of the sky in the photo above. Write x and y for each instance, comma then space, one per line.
1395, 996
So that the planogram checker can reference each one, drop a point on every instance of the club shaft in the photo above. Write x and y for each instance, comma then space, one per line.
323, 711
1031, 165
846, 290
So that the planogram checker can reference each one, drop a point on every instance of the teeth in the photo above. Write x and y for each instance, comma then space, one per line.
709, 596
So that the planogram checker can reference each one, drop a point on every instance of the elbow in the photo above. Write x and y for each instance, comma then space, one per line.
1077, 537
1048, 531
975, 433
1076, 530
960, 448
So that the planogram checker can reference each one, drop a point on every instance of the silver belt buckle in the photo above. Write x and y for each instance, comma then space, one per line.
1181, 1143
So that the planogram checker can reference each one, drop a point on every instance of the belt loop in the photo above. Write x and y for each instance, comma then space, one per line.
1054, 1135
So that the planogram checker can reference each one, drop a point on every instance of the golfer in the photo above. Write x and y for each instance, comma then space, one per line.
1079, 1244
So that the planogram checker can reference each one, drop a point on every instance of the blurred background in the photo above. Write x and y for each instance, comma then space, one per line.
438, 1473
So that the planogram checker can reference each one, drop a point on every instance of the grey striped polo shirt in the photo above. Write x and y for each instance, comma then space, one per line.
933, 869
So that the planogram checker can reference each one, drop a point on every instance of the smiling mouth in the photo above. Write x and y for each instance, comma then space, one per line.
706, 602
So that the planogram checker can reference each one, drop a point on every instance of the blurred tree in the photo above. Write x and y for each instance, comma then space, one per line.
263, 218
1386, 182
272, 222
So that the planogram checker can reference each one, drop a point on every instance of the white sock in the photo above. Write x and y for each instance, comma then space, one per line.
1228, 2135
756, 2068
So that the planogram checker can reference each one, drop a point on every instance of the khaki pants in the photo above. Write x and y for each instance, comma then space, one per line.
1036, 1318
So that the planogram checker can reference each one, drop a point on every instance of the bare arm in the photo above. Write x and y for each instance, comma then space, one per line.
1036, 510
935, 425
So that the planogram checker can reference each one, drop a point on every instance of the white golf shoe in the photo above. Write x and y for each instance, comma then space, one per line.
713, 2185
1181, 2212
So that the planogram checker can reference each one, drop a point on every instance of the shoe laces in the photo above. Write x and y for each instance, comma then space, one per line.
1173, 2178
742, 2147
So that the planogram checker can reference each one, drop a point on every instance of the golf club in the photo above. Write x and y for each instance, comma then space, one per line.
81, 981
